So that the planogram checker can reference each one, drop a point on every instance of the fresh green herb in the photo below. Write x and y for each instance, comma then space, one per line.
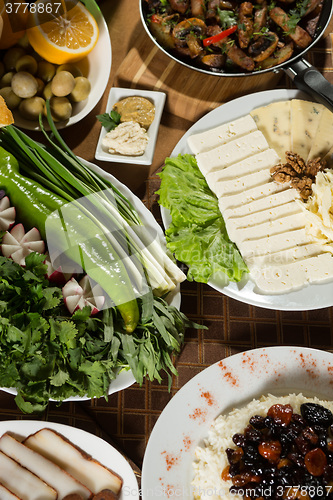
227, 18
296, 14
197, 233
109, 120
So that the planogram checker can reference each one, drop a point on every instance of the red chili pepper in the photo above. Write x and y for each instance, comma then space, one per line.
155, 18
219, 36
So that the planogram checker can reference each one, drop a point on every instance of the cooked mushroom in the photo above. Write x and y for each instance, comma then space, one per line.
312, 5
214, 60
187, 35
180, 6
161, 29
264, 46
279, 56
245, 29
299, 36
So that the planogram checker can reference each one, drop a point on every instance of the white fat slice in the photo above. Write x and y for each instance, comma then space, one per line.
85, 469
264, 159
266, 215
322, 141
5, 494
268, 229
250, 195
46, 470
22, 482
231, 152
274, 122
285, 256
270, 201
210, 139
305, 117
275, 243
233, 186
288, 277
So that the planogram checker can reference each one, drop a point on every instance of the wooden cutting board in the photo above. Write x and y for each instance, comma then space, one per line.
190, 94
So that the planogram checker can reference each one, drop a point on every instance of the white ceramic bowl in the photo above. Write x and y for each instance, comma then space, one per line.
96, 67
116, 94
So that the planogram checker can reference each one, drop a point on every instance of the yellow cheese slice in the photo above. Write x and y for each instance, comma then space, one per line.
274, 121
322, 142
305, 118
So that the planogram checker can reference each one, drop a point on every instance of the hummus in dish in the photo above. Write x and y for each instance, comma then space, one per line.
129, 139
136, 109
294, 438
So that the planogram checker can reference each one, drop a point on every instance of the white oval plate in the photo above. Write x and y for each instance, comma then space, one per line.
314, 296
96, 67
94, 446
232, 382
125, 378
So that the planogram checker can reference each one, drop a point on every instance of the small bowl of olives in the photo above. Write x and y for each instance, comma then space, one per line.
27, 81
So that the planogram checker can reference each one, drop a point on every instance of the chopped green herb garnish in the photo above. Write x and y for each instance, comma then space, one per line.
109, 120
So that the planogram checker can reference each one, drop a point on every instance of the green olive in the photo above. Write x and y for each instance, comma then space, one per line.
47, 92
60, 107
6, 79
62, 84
31, 108
24, 42
46, 71
40, 86
27, 63
12, 56
24, 84
81, 90
11, 99
71, 68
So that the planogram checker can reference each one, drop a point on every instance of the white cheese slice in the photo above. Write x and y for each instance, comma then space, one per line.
270, 201
220, 188
46, 470
210, 139
305, 117
5, 494
231, 152
274, 122
292, 276
322, 142
260, 161
275, 243
285, 256
22, 482
266, 215
256, 193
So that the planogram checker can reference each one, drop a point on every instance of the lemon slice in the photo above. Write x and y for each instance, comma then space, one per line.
67, 34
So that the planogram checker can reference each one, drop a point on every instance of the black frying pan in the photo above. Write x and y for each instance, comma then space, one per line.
305, 76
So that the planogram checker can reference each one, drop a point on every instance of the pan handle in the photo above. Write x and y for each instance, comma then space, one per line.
307, 78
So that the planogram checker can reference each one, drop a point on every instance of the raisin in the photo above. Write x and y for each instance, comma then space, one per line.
281, 413
257, 422
271, 450
315, 462
253, 435
239, 440
316, 414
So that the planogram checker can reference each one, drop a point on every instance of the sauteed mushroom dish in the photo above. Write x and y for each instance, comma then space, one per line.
233, 36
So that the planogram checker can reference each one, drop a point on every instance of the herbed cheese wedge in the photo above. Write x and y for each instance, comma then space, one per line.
22, 482
210, 139
231, 152
305, 118
5, 494
322, 141
85, 469
46, 470
274, 122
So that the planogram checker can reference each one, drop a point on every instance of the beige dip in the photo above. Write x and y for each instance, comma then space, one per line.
136, 109
127, 139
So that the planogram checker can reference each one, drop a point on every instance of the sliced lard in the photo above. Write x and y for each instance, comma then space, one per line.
22, 482
46, 470
231, 152
210, 139
85, 469
292, 276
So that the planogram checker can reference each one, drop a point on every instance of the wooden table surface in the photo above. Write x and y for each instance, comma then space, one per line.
128, 417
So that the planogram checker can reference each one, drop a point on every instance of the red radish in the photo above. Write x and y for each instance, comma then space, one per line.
7, 214
78, 295
56, 275
17, 244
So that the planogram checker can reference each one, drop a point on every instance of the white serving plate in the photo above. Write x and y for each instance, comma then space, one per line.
94, 446
314, 296
125, 378
115, 95
232, 382
96, 67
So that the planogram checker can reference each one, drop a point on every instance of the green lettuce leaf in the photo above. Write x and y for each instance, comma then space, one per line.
197, 234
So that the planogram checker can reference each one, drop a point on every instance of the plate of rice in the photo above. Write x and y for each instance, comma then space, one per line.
186, 452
